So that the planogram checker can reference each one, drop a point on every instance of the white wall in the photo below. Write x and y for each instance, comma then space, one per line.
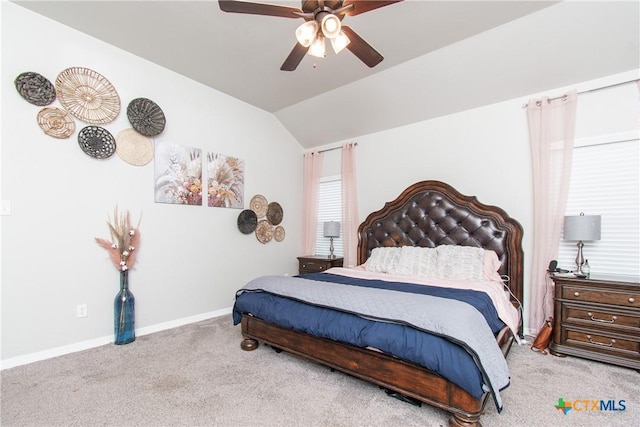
191, 259
482, 152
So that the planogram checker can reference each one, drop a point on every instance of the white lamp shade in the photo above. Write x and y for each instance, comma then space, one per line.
331, 229
339, 42
582, 227
330, 26
317, 48
306, 33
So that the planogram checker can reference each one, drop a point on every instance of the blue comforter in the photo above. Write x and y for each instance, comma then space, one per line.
437, 353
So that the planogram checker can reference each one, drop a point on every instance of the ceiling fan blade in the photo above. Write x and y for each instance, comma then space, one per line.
362, 49
294, 58
234, 6
365, 6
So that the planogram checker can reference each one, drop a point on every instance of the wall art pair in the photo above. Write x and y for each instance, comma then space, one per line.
179, 177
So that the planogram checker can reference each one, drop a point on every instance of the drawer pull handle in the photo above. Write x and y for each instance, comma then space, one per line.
613, 318
576, 294
601, 343
632, 300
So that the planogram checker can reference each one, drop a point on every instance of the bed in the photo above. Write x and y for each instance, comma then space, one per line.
429, 220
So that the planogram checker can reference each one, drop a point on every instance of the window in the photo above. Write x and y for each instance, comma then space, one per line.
605, 181
329, 209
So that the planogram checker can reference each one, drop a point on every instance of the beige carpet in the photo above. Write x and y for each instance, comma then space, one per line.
197, 375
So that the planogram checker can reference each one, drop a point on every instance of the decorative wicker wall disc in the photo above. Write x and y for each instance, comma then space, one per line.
274, 213
35, 88
97, 142
264, 231
258, 204
146, 116
247, 221
56, 122
134, 148
278, 233
87, 95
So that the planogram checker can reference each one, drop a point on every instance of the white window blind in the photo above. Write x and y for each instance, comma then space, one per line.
329, 209
605, 181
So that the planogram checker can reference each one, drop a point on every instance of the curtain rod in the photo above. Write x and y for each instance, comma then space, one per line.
331, 149
589, 90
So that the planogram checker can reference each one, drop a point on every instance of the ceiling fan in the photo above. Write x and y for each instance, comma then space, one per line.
323, 19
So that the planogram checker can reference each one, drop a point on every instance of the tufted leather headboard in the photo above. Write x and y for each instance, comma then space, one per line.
432, 213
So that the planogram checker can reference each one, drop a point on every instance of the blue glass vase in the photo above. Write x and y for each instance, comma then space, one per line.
124, 312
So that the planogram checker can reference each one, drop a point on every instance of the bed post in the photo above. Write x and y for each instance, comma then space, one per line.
249, 344
458, 420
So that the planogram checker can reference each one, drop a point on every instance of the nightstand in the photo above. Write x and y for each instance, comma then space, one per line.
598, 319
316, 264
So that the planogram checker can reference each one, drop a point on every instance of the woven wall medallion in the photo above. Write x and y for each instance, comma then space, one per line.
87, 95
35, 88
258, 204
264, 231
56, 122
146, 116
247, 221
97, 142
134, 148
278, 233
274, 213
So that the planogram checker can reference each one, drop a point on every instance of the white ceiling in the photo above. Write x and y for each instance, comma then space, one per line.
441, 57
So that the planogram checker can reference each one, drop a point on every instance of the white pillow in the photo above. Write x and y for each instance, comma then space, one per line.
491, 265
417, 261
460, 262
382, 260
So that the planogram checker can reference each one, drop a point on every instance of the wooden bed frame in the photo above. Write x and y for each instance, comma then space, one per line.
428, 214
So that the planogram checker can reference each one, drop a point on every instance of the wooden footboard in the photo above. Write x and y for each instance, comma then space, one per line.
378, 368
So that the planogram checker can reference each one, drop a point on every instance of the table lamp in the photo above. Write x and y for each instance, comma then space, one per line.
331, 230
581, 228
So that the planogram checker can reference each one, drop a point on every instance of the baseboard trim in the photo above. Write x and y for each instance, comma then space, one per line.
97, 342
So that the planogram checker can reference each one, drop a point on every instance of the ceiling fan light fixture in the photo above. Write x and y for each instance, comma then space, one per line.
323, 18
318, 48
330, 25
339, 42
306, 33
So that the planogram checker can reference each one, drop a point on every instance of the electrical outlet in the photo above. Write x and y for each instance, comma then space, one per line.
81, 310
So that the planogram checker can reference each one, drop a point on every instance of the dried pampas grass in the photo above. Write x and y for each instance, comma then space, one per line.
125, 240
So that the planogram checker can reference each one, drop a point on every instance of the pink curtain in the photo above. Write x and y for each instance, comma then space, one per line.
350, 220
551, 133
311, 182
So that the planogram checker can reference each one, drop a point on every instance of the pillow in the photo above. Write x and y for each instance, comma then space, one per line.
490, 266
460, 262
382, 260
417, 261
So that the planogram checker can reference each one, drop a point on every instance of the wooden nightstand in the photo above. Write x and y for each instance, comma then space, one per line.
316, 264
598, 318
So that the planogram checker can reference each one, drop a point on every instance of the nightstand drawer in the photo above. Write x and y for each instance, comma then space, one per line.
603, 343
609, 319
313, 267
317, 264
601, 296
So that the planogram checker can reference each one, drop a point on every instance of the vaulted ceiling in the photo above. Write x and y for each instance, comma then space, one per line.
440, 57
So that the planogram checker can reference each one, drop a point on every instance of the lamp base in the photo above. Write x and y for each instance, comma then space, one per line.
331, 254
579, 257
